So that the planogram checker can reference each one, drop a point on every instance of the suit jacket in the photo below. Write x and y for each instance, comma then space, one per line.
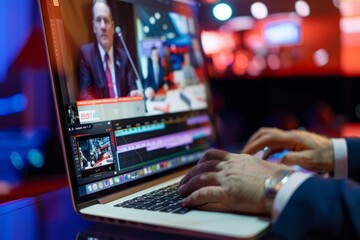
150, 79
324, 208
93, 83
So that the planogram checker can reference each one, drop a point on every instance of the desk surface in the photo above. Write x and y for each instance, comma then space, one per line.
51, 216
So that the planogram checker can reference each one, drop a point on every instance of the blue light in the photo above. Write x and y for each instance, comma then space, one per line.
21, 14
36, 158
17, 160
14, 104
282, 33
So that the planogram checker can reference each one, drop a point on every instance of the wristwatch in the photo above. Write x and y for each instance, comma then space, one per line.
272, 185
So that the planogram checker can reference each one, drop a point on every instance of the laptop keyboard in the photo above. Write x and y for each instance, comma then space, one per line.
164, 199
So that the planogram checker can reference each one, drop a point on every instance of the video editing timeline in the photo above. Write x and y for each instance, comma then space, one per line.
140, 144
110, 153
165, 142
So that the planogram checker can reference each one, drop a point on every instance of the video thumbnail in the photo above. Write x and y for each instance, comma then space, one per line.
95, 154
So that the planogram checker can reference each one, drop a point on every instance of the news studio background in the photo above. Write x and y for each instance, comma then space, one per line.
261, 38
291, 65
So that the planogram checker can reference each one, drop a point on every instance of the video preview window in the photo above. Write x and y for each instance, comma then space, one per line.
163, 43
95, 155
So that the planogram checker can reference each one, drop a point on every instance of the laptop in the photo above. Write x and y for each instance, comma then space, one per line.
134, 112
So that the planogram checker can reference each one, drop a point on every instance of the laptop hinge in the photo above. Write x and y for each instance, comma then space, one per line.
140, 187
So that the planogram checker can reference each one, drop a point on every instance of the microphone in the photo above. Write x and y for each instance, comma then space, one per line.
138, 80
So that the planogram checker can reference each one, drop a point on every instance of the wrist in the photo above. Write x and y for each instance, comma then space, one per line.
272, 185
329, 156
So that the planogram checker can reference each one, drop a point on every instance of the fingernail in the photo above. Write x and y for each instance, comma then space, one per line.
183, 203
262, 152
259, 154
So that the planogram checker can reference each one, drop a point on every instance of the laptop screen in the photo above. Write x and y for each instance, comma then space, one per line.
130, 87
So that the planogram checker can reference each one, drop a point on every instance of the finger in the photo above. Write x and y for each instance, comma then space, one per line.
263, 153
302, 158
269, 153
211, 194
252, 144
198, 182
258, 134
272, 152
258, 144
208, 166
275, 141
214, 154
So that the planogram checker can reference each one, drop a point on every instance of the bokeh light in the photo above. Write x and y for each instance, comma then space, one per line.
259, 10
36, 158
17, 160
222, 11
321, 57
302, 8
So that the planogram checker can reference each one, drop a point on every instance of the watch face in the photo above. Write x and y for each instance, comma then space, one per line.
273, 181
273, 184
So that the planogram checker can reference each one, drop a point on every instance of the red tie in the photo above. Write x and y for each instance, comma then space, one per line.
108, 77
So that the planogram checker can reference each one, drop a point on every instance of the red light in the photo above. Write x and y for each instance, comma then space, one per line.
222, 60
240, 64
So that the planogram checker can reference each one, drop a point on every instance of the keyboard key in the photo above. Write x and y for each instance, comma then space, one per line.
182, 210
158, 207
170, 208
144, 206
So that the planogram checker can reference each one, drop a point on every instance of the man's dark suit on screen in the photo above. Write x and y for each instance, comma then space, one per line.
322, 202
93, 83
150, 79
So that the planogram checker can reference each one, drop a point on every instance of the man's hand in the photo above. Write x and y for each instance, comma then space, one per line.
308, 150
149, 93
136, 93
234, 180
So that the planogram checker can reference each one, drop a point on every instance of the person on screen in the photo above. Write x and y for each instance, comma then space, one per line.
155, 79
96, 156
302, 205
72, 114
167, 63
84, 161
190, 77
105, 70
99, 154
195, 54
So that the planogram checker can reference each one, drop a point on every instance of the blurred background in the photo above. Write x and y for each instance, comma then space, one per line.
292, 64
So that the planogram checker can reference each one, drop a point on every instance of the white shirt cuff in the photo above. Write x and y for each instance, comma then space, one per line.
340, 158
286, 191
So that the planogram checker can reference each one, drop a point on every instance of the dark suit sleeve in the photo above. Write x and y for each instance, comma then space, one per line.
150, 79
150, 75
353, 145
320, 209
162, 78
86, 91
125, 76
131, 79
